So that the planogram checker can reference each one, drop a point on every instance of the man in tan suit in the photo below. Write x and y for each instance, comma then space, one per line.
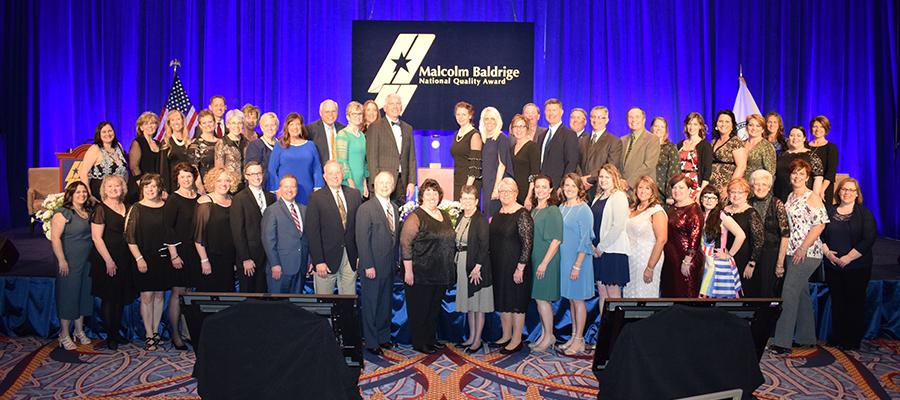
390, 147
597, 147
641, 149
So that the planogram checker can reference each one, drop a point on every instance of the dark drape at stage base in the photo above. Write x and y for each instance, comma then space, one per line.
27, 307
67, 65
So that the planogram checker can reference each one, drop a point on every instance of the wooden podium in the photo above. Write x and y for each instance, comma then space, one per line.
444, 177
69, 163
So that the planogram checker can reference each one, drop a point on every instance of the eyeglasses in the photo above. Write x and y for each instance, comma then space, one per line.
736, 192
520, 126
710, 197
848, 190
506, 191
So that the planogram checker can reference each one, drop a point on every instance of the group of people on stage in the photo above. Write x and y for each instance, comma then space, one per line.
547, 213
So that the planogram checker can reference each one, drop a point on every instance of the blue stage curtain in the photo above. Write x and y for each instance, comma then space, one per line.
69, 64
27, 307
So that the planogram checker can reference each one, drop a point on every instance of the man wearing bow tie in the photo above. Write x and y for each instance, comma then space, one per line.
390, 147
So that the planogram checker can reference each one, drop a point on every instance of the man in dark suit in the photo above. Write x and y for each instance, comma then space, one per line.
640, 149
323, 130
577, 122
246, 227
286, 244
597, 148
558, 146
377, 238
331, 223
390, 147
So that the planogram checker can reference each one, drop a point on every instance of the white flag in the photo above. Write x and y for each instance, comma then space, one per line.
744, 105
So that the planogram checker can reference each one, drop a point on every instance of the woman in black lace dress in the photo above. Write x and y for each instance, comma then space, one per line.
428, 247
511, 236
750, 222
202, 150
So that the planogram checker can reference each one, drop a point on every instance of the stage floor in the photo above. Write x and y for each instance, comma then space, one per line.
33, 368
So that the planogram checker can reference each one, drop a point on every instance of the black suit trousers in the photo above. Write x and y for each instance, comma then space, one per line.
257, 282
423, 303
848, 305
376, 299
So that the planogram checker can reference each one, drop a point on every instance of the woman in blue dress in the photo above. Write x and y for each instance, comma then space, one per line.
295, 155
576, 283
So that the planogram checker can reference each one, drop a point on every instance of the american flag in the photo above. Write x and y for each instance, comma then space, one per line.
178, 100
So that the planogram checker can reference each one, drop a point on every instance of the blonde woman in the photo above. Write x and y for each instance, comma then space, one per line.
496, 162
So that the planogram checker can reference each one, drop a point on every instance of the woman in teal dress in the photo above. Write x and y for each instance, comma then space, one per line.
350, 150
548, 234
576, 284
70, 237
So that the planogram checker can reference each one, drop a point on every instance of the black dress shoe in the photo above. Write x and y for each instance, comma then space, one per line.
386, 346
425, 349
438, 345
502, 344
803, 346
120, 340
470, 350
112, 344
513, 350
778, 350
376, 351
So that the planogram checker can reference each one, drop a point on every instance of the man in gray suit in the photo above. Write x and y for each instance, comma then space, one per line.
598, 148
323, 130
377, 239
286, 245
641, 149
390, 147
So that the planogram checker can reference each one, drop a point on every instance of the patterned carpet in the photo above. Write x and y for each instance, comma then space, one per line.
36, 369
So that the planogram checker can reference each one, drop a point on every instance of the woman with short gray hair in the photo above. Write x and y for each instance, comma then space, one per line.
775, 229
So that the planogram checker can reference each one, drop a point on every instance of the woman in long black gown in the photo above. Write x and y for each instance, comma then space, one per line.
212, 233
511, 238
466, 151
146, 237
178, 216
112, 265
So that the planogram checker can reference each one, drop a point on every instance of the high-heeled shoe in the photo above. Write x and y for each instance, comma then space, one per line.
470, 350
67, 343
512, 350
576, 347
544, 345
502, 344
177, 346
82, 338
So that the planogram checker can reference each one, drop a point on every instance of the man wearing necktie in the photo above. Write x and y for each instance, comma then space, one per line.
390, 147
597, 148
285, 241
331, 223
217, 107
246, 213
377, 239
324, 130
558, 146
641, 149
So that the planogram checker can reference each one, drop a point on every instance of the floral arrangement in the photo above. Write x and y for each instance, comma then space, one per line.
453, 208
49, 207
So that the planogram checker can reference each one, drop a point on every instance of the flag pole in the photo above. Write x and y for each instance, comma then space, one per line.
740, 72
175, 64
